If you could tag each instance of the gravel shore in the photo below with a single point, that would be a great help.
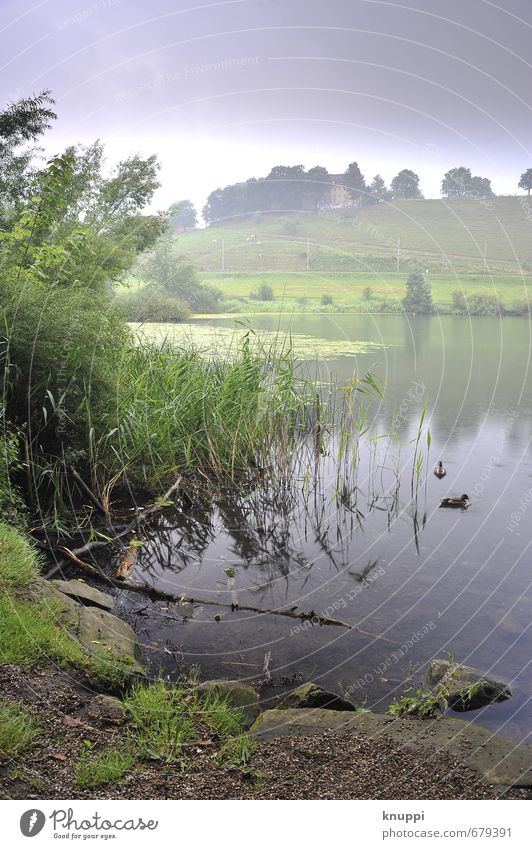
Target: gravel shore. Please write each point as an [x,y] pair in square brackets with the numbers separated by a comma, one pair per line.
[326,766]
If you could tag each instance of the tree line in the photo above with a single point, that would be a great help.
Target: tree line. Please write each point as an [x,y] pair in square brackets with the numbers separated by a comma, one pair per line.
[292,188]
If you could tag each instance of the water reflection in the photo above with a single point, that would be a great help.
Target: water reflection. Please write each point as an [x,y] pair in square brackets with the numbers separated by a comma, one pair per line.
[361,541]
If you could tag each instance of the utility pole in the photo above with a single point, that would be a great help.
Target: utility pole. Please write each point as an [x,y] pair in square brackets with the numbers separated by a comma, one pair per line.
[223,255]
[442,263]
[398,253]
[485,256]
[308,253]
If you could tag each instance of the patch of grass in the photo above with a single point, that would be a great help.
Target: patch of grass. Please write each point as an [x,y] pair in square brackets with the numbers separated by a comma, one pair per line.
[19,562]
[32,780]
[18,729]
[32,631]
[110,764]
[165,718]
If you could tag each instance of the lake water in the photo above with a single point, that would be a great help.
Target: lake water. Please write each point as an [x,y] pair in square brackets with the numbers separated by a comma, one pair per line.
[429,581]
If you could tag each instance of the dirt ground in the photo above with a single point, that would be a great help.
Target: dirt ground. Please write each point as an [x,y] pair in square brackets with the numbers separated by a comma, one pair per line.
[322,767]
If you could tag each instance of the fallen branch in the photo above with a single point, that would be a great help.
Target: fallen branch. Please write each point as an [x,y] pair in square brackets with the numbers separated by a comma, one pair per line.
[155,593]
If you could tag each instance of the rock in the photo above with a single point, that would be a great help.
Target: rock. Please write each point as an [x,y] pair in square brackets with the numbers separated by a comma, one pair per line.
[108,637]
[84,594]
[107,709]
[495,758]
[314,696]
[468,688]
[238,695]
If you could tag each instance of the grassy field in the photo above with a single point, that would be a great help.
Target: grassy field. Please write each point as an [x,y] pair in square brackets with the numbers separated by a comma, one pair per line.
[443,235]
[293,291]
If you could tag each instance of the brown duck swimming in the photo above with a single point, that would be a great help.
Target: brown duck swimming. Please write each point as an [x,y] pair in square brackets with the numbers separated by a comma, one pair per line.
[439,471]
[456,501]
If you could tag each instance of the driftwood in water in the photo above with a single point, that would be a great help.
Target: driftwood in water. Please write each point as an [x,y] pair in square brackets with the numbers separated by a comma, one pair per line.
[155,594]
[128,561]
[140,517]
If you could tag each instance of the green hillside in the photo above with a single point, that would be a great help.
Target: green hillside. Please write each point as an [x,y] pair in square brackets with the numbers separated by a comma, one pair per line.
[446,236]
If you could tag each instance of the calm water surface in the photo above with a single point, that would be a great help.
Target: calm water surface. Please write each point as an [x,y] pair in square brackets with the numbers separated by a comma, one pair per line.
[429,581]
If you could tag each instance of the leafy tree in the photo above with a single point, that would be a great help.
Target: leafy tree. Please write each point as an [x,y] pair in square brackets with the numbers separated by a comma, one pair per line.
[166,269]
[108,210]
[525,180]
[480,187]
[21,124]
[316,182]
[406,185]
[354,181]
[455,182]
[418,294]
[182,215]
[378,188]
[459,182]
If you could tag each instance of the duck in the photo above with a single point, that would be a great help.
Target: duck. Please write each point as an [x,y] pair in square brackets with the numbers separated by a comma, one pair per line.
[456,501]
[440,471]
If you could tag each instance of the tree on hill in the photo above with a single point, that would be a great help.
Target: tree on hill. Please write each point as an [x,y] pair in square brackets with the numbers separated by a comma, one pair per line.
[480,187]
[459,182]
[182,215]
[418,294]
[406,185]
[525,180]
[316,183]
[378,188]
[354,182]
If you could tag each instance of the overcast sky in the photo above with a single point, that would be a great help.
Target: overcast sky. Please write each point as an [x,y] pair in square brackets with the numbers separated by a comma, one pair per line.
[223,91]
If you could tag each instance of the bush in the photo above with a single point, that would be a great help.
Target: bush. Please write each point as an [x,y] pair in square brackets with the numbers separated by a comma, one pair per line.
[521,308]
[263,293]
[459,301]
[477,303]
[151,304]
[326,300]
[482,303]
[367,294]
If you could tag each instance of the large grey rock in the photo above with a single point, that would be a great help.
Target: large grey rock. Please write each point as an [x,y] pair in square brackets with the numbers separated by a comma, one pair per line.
[107,637]
[313,696]
[466,688]
[498,760]
[84,594]
[238,695]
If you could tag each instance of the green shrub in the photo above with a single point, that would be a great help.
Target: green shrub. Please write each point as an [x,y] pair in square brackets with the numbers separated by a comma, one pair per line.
[367,294]
[482,303]
[263,293]
[327,300]
[459,301]
[152,304]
